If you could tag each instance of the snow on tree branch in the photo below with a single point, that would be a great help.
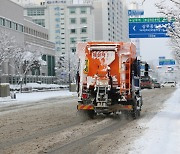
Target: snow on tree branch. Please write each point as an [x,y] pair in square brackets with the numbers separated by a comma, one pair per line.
[62,70]
[26,58]
[7,46]
[171,11]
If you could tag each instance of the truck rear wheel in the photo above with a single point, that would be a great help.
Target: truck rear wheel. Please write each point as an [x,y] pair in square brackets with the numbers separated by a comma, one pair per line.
[135,113]
[91,114]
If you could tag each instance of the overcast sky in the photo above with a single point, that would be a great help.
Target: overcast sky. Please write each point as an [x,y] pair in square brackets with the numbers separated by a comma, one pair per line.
[153,48]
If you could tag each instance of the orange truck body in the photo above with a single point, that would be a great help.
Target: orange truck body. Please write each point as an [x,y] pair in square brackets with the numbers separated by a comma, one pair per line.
[105,75]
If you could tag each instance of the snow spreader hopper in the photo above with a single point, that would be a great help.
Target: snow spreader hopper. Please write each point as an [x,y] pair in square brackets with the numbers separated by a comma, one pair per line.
[108,79]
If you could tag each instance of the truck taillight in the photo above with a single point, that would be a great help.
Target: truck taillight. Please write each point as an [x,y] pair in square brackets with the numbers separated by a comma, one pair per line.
[84,96]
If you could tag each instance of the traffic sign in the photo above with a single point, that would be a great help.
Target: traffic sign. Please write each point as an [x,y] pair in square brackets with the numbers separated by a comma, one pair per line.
[148,30]
[167,62]
[135,12]
[149,27]
[162,57]
[160,19]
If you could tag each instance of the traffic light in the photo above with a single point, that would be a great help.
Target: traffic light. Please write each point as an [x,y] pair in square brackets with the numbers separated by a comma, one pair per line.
[146,69]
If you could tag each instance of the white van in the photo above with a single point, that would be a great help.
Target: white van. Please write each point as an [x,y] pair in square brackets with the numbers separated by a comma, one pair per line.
[169,84]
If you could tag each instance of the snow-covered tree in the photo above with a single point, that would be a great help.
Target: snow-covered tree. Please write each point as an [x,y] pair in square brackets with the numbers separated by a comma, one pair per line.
[61,69]
[25,59]
[64,63]
[7,46]
[171,11]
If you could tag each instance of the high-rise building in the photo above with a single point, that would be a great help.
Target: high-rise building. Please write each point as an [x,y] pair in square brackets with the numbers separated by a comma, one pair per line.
[111,20]
[135,41]
[67,23]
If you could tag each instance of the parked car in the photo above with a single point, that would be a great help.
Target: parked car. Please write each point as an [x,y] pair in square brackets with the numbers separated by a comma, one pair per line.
[157,85]
[169,84]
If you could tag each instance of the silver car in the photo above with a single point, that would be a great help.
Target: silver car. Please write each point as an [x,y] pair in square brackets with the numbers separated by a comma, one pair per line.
[169,84]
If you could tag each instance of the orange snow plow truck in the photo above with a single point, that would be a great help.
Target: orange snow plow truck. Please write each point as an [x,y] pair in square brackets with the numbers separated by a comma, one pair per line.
[108,79]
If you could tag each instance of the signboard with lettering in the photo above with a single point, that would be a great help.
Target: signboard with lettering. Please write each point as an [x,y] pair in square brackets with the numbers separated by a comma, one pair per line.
[166,62]
[55,1]
[135,12]
[162,57]
[160,19]
[148,27]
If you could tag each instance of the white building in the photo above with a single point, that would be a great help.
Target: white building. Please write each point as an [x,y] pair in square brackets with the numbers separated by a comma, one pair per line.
[111,20]
[67,23]
[80,25]
[25,31]
[25,2]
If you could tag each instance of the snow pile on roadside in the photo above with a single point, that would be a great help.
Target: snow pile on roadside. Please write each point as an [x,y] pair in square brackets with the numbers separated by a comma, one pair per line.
[38,86]
[36,96]
[163,134]
[5,99]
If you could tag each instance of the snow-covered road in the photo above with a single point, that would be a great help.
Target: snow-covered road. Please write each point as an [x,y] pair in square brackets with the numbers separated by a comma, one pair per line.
[163,131]
[53,125]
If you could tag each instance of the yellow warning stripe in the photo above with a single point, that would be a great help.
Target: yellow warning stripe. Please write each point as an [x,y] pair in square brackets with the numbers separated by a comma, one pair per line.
[129,107]
[85,107]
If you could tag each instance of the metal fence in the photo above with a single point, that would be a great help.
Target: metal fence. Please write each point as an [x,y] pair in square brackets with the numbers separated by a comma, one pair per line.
[15,79]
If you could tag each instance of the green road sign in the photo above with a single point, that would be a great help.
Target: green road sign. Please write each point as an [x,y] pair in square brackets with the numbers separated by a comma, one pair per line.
[160,19]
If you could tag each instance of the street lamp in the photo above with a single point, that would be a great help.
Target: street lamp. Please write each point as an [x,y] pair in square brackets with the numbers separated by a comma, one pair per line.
[69,56]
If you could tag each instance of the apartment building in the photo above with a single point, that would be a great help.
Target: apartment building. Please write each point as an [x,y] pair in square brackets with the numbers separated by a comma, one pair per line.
[67,23]
[111,20]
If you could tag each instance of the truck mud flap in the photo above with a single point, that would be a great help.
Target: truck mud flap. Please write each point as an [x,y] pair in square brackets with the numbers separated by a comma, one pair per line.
[85,107]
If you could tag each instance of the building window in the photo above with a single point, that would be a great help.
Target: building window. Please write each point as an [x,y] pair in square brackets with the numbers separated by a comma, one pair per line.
[73,49]
[83,30]
[25,29]
[72,10]
[8,23]
[35,12]
[44,58]
[83,20]
[84,39]
[32,32]
[73,40]
[39,22]
[73,31]
[83,10]
[13,26]
[73,21]
[29,31]
[2,22]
